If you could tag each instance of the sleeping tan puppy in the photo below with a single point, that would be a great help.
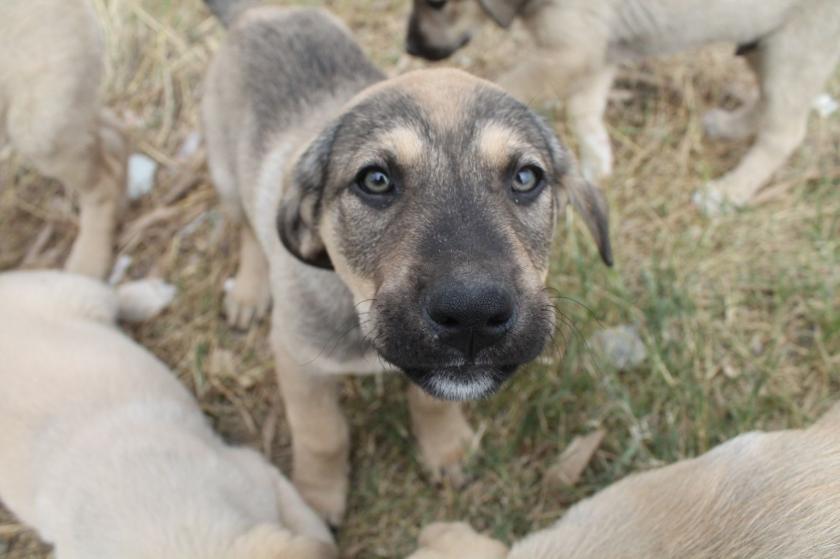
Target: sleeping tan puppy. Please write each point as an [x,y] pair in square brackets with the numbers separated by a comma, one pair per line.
[51,68]
[759,496]
[792,45]
[106,455]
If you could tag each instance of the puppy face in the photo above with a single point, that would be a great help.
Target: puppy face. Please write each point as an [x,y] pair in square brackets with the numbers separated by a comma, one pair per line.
[434,197]
[437,28]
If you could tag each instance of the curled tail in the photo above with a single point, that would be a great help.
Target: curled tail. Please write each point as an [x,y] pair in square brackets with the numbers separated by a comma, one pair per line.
[228,10]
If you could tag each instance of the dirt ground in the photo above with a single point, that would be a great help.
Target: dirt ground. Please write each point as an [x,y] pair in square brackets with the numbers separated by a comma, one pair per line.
[740,316]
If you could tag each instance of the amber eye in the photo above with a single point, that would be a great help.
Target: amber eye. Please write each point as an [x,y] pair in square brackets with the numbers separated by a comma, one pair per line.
[527,179]
[436,4]
[374,180]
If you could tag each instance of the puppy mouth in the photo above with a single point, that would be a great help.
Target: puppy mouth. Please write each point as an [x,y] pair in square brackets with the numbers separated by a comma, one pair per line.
[461,382]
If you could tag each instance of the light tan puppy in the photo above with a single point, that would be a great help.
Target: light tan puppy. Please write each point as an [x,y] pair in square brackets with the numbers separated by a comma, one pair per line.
[759,496]
[51,65]
[400,223]
[106,455]
[791,45]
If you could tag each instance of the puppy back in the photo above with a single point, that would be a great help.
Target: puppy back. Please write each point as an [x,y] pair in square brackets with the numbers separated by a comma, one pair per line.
[290,61]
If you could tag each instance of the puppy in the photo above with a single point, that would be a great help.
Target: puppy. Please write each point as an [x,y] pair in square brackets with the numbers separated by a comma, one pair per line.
[396,224]
[105,454]
[760,495]
[790,44]
[50,73]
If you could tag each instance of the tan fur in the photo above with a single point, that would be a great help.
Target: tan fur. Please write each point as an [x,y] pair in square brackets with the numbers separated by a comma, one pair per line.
[496,142]
[758,496]
[50,75]
[105,453]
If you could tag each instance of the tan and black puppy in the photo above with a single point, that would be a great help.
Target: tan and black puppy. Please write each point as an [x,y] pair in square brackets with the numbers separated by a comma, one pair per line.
[791,45]
[52,60]
[396,224]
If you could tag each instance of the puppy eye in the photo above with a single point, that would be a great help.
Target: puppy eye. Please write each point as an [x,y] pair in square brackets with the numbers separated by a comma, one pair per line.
[374,180]
[436,4]
[527,179]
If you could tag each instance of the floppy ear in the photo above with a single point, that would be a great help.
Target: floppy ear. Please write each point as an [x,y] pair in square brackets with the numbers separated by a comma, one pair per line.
[300,208]
[502,11]
[586,198]
[590,203]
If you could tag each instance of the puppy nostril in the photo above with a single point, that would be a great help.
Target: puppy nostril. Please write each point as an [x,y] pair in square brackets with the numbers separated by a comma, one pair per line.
[499,319]
[448,321]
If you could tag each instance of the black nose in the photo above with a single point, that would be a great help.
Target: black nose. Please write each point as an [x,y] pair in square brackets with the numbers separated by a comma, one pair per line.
[470,316]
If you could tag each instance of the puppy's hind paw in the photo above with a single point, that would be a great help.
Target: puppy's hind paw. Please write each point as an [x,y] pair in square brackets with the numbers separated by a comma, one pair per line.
[712,201]
[144,299]
[245,304]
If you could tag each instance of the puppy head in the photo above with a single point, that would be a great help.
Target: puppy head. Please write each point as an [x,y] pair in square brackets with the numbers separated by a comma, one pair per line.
[437,28]
[434,197]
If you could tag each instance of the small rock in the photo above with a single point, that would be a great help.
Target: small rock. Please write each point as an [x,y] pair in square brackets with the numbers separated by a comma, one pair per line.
[621,346]
[141,175]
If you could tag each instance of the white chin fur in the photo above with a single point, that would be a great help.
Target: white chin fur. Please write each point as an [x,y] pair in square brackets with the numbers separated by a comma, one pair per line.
[468,389]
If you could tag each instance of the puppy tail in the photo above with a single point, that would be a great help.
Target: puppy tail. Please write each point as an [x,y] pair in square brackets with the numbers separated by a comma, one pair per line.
[229,10]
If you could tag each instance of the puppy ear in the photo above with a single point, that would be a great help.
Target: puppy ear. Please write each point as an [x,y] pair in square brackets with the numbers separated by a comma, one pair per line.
[502,11]
[586,198]
[300,208]
[590,203]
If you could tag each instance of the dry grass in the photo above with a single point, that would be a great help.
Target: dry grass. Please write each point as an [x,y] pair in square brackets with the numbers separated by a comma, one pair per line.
[741,316]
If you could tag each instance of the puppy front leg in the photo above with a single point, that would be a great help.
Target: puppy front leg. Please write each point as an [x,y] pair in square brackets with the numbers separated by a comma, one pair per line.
[249,298]
[443,434]
[320,435]
[586,116]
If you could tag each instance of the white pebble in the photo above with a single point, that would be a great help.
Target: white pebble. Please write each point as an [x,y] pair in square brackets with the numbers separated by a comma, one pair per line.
[141,175]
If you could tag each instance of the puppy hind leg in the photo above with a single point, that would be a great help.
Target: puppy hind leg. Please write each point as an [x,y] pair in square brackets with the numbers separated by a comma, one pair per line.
[66,142]
[320,435]
[443,434]
[101,201]
[586,114]
[795,63]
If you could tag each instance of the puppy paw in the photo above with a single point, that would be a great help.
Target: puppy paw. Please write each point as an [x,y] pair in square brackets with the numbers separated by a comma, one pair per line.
[713,201]
[457,540]
[445,452]
[596,162]
[144,299]
[245,302]
[328,496]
